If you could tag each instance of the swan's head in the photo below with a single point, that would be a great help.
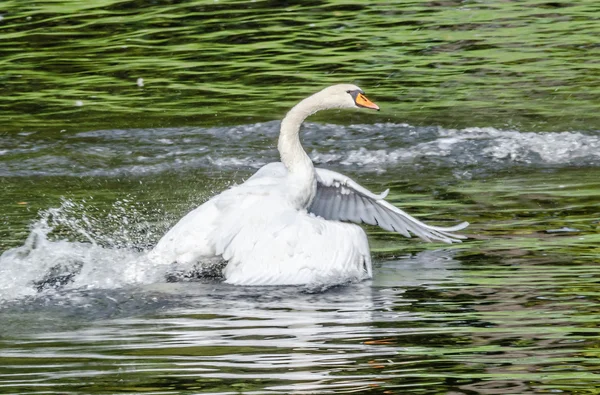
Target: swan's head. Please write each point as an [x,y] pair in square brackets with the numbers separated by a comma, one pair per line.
[346,96]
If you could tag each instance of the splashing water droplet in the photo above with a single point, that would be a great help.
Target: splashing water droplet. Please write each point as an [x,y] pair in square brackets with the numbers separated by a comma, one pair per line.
[78,246]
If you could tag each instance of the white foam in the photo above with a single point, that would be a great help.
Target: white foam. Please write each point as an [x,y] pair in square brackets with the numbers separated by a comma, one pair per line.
[378,147]
[552,148]
[85,259]
[474,146]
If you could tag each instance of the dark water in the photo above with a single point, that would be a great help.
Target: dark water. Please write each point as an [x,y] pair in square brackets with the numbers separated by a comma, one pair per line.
[488,115]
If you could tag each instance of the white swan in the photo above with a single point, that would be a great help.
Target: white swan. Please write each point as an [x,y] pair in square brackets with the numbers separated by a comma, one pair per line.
[283,225]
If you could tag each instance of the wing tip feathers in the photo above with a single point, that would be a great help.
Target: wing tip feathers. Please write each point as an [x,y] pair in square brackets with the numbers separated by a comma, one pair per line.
[384,194]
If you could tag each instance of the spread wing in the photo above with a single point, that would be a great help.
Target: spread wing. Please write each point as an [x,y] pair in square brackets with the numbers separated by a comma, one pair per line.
[340,198]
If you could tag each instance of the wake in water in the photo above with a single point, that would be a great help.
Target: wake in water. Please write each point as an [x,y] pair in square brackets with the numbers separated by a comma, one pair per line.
[68,248]
[365,148]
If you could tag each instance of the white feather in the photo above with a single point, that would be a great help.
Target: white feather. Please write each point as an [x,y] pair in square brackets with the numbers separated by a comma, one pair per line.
[265,240]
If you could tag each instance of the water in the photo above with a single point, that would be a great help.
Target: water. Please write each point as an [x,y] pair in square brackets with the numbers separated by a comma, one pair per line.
[488,115]
[513,310]
[371,148]
[469,63]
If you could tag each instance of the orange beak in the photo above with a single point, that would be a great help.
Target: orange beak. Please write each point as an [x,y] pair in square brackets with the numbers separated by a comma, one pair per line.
[362,101]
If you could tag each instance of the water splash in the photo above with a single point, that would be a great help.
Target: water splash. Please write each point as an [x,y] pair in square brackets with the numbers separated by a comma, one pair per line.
[71,247]
[78,247]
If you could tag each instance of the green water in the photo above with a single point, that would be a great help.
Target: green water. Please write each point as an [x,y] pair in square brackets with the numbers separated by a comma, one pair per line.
[513,310]
[529,63]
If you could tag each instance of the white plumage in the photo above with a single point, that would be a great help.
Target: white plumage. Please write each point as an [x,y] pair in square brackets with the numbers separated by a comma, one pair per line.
[284,224]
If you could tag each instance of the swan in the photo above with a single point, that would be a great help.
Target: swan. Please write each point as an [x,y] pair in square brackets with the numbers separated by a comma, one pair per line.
[288,223]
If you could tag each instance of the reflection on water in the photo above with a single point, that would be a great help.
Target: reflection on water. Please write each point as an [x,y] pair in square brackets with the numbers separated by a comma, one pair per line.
[426,324]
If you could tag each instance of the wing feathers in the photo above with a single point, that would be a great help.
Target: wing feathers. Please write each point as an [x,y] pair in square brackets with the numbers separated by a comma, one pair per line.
[351,205]
[340,198]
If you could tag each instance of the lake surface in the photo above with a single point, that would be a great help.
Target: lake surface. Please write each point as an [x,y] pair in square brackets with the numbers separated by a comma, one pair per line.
[489,115]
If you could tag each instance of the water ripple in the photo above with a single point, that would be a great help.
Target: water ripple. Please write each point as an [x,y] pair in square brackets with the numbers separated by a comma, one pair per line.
[358,148]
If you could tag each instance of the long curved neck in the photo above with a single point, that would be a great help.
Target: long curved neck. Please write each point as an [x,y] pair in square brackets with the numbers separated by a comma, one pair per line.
[293,156]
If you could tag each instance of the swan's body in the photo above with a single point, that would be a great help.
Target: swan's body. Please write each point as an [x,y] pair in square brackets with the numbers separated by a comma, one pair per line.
[283,225]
